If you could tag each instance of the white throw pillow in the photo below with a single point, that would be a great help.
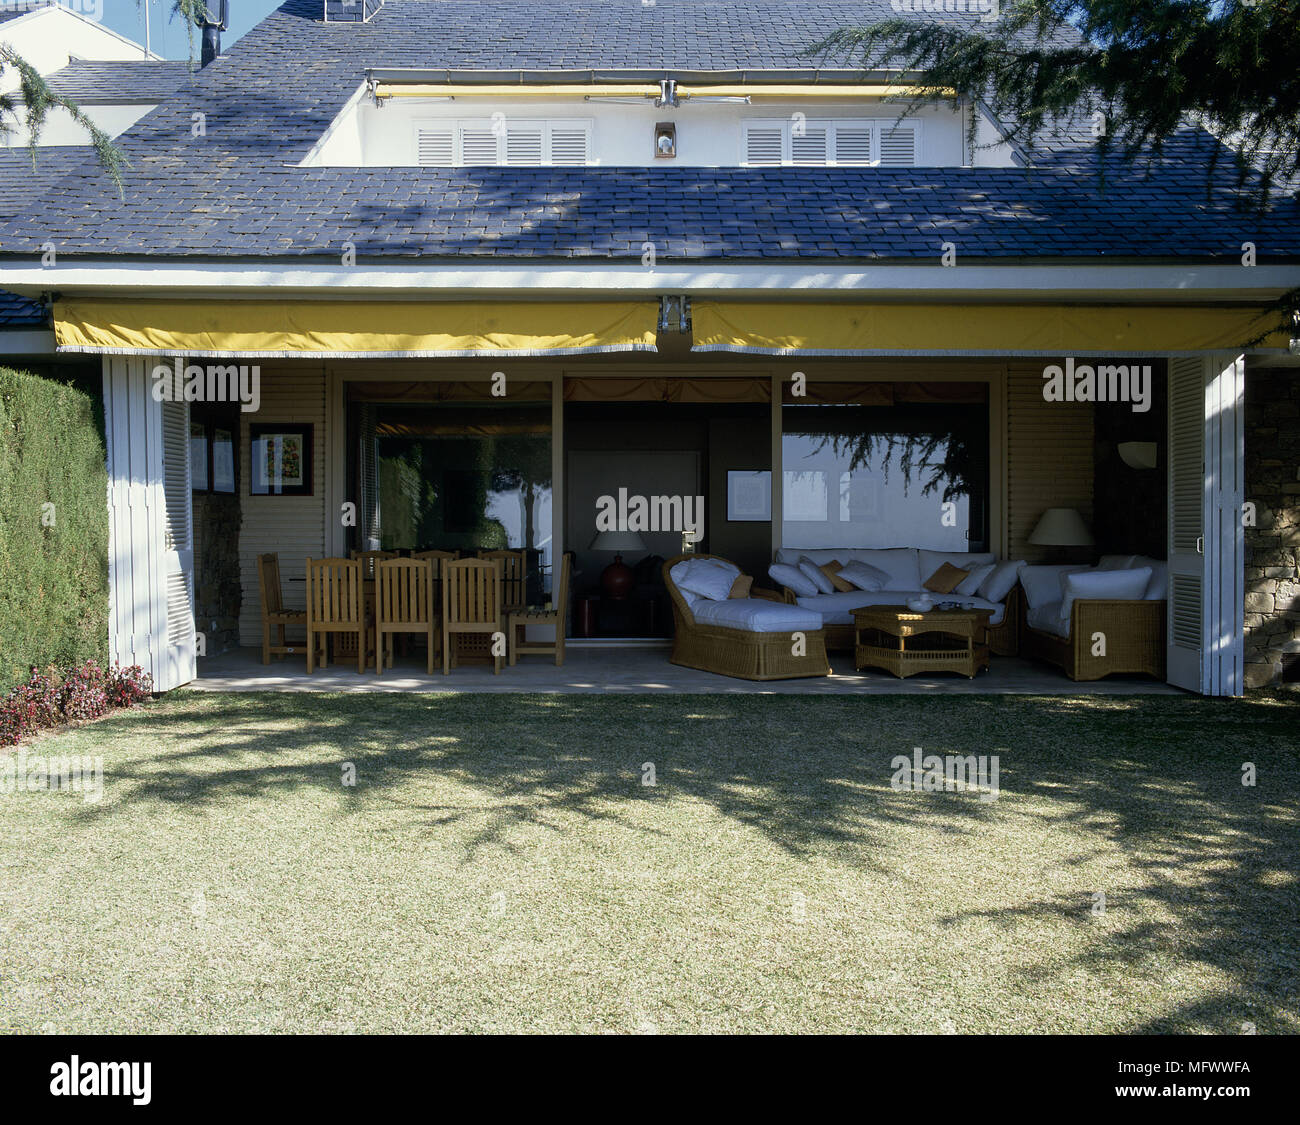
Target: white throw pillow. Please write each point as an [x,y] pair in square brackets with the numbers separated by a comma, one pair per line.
[710,578]
[813,573]
[1000,581]
[1118,562]
[864,576]
[791,577]
[1104,585]
[969,586]
[1043,584]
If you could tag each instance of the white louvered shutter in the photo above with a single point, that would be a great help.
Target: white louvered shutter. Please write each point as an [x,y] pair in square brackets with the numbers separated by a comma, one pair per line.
[524,145]
[178,545]
[853,144]
[810,148]
[569,145]
[898,146]
[435,146]
[764,144]
[479,145]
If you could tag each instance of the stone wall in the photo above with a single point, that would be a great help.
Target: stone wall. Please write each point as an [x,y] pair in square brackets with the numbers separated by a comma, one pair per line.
[1272,484]
[216,570]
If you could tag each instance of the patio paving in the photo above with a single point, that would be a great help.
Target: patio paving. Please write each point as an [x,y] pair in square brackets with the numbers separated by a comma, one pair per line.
[631,670]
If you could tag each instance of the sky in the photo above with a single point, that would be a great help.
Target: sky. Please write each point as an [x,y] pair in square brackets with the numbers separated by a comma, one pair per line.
[167,32]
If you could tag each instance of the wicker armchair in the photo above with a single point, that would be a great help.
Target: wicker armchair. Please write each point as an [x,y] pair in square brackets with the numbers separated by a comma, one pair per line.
[1003,638]
[1134,634]
[738,652]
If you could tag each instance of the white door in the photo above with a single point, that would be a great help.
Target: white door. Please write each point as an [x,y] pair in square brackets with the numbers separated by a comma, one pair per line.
[150,551]
[1206,537]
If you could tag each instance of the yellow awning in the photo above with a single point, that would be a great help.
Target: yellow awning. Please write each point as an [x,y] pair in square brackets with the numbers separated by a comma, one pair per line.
[342,329]
[790,328]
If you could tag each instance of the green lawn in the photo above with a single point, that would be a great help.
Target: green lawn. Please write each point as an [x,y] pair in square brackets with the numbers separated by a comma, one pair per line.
[499,866]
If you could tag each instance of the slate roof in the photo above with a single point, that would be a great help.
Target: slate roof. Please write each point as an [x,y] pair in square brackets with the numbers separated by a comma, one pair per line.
[237,192]
[118,82]
[22,186]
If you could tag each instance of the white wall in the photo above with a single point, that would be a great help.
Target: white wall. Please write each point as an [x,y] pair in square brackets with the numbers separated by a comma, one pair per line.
[49,38]
[708,134]
[60,129]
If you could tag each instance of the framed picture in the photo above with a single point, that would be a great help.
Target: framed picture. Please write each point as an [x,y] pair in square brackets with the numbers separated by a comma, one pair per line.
[749,496]
[279,460]
[223,460]
[198,457]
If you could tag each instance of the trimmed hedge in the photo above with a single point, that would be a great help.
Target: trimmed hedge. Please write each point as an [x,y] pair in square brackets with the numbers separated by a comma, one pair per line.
[53,560]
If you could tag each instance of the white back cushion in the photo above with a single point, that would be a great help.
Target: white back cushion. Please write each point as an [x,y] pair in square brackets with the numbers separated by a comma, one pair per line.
[1158,588]
[1042,584]
[1122,585]
[900,563]
[792,577]
[969,586]
[710,578]
[930,561]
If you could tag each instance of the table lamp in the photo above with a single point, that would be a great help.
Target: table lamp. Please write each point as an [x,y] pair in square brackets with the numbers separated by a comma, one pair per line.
[616,580]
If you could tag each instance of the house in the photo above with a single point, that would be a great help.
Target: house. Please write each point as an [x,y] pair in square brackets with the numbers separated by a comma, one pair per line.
[113,80]
[449,274]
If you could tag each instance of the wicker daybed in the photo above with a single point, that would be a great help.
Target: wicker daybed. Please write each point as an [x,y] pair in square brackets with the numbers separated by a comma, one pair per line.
[738,652]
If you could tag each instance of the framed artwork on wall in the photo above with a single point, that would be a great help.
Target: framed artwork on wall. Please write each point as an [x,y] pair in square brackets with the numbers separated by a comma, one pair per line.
[749,496]
[280,460]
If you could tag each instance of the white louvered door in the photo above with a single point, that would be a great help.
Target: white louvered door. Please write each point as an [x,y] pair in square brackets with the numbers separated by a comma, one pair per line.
[179,659]
[150,547]
[1206,537]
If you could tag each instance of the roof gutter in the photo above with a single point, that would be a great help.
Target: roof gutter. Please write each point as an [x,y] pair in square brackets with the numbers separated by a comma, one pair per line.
[810,76]
[1165,283]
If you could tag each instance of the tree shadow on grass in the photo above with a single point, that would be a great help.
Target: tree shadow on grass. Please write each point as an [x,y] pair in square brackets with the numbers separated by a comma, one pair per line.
[1156,780]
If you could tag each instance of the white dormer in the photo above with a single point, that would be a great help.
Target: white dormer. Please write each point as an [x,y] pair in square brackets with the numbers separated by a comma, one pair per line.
[629,125]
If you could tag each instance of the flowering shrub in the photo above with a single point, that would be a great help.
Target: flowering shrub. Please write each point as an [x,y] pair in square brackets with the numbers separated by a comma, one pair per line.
[85,692]
[85,695]
[128,686]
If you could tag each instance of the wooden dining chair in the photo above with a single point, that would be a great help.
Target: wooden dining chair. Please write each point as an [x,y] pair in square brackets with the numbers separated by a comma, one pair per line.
[336,604]
[520,619]
[438,558]
[274,614]
[471,605]
[404,604]
[514,575]
[368,560]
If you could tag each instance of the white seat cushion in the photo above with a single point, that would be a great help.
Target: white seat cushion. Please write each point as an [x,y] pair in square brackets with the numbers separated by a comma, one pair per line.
[758,615]
[837,609]
[1047,619]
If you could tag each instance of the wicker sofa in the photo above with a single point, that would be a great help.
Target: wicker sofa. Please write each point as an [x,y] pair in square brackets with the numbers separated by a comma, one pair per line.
[743,653]
[1003,638]
[1104,636]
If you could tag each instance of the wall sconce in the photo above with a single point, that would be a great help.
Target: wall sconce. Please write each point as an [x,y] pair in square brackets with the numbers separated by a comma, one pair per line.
[1138,454]
[665,140]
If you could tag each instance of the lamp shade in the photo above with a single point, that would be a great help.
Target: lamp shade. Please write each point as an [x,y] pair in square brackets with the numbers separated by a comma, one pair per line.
[1138,454]
[618,541]
[1061,527]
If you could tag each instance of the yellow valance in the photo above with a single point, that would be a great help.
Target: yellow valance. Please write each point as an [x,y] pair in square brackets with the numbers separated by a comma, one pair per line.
[792,328]
[277,329]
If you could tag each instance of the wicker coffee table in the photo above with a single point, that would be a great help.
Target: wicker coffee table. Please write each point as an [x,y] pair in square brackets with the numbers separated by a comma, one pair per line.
[904,642]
